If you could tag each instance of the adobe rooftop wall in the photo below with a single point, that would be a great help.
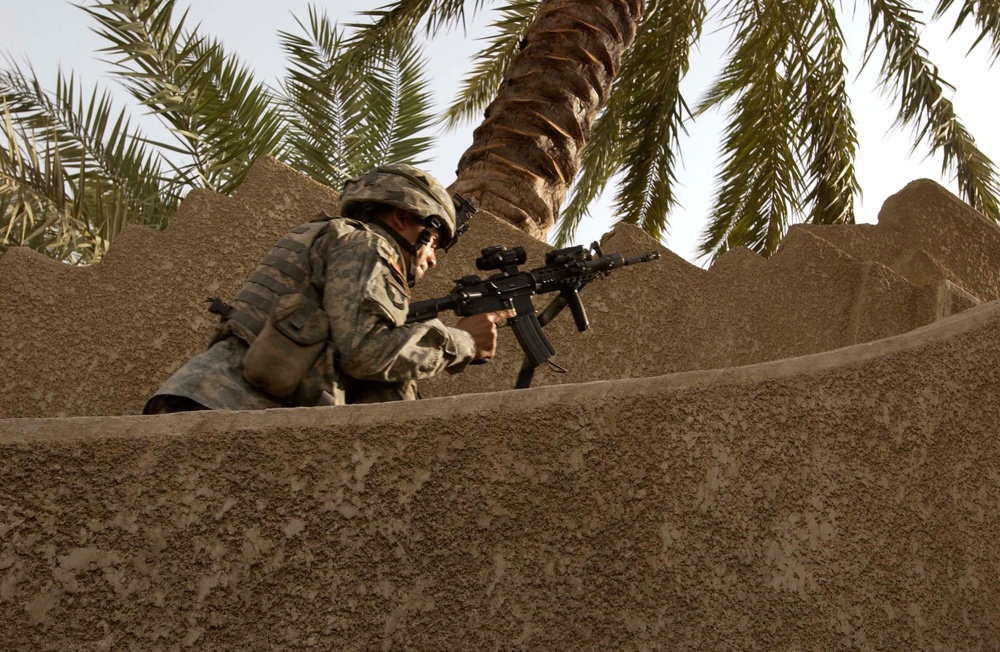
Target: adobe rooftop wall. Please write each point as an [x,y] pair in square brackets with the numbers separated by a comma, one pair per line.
[99,340]
[753,468]
[840,500]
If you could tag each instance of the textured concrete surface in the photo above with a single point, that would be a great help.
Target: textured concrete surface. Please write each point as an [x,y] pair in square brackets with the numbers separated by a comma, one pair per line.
[98,341]
[845,500]
[799,453]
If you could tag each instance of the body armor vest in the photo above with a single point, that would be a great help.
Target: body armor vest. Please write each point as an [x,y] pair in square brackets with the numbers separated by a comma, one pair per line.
[278,313]
[285,270]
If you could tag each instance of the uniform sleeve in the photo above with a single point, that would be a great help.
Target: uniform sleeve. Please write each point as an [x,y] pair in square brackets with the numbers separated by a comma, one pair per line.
[367,303]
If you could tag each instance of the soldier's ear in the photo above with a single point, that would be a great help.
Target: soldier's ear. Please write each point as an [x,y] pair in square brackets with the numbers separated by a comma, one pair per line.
[408,220]
[396,218]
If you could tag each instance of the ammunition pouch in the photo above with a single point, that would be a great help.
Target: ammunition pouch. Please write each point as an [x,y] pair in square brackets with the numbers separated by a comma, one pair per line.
[288,345]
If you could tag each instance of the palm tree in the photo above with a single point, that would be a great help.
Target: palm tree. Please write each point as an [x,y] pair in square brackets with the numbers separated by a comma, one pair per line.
[588,85]
[74,172]
[790,142]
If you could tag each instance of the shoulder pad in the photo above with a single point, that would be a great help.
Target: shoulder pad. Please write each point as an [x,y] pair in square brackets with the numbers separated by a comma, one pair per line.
[323,216]
[342,226]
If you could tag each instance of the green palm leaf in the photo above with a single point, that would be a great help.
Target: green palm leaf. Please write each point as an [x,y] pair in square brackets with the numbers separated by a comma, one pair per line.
[400,108]
[491,63]
[761,182]
[72,171]
[221,117]
[829,139]
[320,101]
[915,84]
[637,136]
[986,15]
[396,23]
[347,115]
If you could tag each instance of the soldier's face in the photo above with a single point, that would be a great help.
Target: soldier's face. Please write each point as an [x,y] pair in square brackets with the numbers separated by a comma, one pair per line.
[426,259]
[411,229]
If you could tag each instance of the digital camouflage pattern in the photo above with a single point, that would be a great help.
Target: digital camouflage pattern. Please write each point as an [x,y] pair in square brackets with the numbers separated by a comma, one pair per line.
[407,188]
[371,355]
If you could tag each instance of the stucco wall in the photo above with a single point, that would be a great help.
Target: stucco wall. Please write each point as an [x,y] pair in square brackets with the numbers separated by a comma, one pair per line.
[98,341]
[840,491]
[845,500]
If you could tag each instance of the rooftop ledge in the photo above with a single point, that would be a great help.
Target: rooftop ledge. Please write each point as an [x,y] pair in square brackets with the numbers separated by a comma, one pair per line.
[841,498]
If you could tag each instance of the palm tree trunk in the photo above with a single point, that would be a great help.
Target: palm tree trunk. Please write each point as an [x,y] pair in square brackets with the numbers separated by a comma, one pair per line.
[526,153]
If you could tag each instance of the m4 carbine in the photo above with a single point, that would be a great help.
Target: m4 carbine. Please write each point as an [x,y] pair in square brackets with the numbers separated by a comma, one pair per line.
[566,272]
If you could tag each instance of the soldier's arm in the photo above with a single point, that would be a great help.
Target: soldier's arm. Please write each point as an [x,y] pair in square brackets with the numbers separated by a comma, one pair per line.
[367,303]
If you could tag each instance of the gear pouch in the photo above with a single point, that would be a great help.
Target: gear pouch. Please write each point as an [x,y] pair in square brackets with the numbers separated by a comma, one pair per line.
[287,346]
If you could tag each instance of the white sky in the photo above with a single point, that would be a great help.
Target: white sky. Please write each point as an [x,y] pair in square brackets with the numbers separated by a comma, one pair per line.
[53,33]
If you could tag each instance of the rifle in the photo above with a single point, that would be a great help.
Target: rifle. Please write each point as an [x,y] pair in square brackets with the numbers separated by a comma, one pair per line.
[566,271]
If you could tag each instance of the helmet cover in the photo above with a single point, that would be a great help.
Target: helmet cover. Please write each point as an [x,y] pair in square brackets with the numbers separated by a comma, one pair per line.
[410,189]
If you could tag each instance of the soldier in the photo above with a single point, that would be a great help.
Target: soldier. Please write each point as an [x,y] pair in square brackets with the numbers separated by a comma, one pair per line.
[321,321]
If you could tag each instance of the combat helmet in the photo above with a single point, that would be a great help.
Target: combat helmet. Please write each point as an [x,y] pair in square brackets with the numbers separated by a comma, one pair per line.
[413,190]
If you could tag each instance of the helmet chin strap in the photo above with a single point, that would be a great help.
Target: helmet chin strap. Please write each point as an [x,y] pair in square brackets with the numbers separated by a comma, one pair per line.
[411,248]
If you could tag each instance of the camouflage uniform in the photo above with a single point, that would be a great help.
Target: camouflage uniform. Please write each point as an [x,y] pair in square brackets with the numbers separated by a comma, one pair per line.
[368,354]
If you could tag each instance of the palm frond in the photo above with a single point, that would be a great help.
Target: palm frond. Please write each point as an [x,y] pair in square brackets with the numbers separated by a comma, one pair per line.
[914,83]
[761,180]
[601,159]
[829,136]
[985,13]
[396,23]
[645,196]
[320,96]
[222,118]
[237,119]
[38,206]
[72,173]
[88,133]
[400,108]
[347,116]
[491,63]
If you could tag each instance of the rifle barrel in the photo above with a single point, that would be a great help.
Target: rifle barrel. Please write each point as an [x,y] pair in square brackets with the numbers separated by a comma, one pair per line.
[642,258]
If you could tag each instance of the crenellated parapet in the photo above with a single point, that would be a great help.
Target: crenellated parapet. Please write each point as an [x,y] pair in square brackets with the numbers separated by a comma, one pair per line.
[794,453]
[99,340]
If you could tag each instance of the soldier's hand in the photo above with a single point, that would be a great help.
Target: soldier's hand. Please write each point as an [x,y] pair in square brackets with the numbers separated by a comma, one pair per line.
[483,328]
